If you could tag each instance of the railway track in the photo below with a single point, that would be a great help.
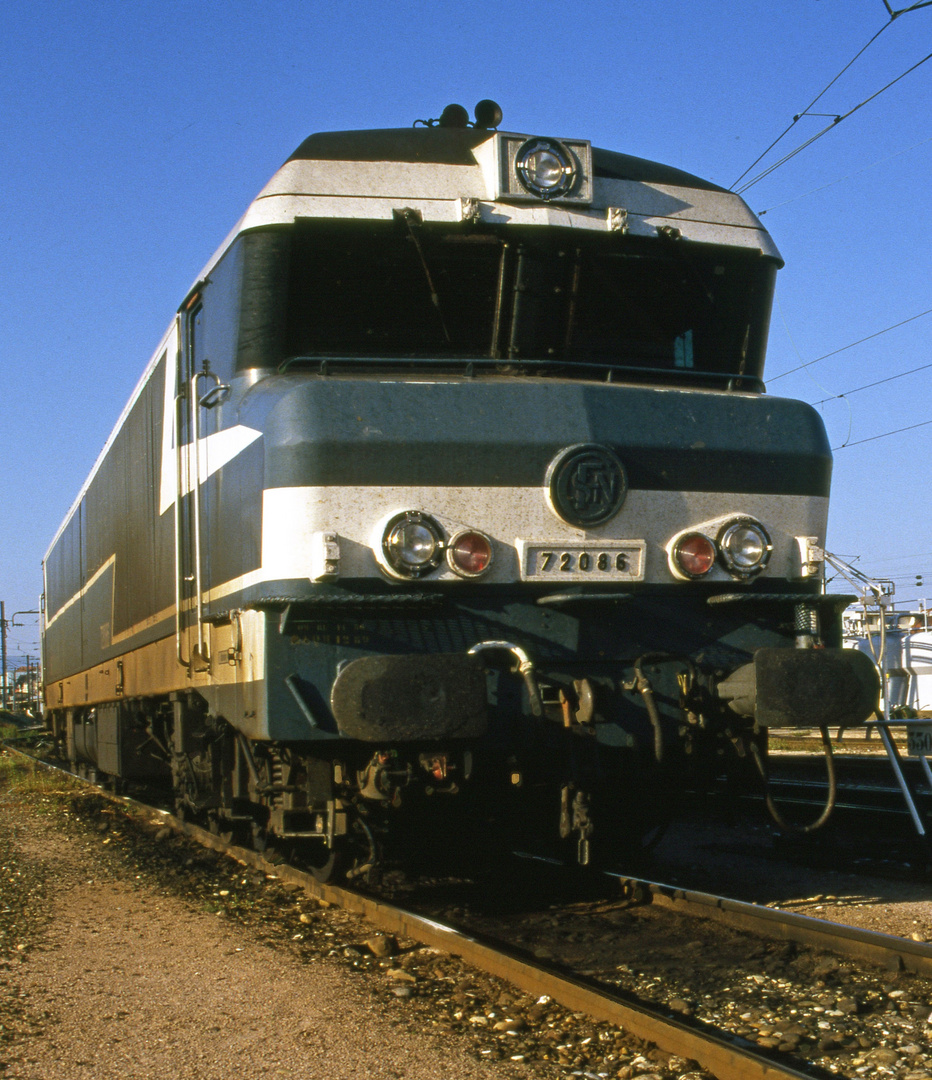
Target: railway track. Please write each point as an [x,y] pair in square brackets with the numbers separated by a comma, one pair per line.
[865,782]
[882,950]
[871,827]
[722,1053]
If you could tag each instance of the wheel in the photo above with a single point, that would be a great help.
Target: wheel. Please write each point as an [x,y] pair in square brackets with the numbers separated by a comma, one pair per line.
[353,857]
[332,867]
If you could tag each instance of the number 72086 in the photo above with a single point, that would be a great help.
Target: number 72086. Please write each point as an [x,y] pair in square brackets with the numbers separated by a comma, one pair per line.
[604,561]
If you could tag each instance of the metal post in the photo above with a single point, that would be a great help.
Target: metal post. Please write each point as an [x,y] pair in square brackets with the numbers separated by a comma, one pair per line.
[927,771]
[909,796]
[3,654]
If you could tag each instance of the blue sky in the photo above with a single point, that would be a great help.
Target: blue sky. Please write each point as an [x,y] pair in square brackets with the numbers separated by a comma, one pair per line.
[134,135]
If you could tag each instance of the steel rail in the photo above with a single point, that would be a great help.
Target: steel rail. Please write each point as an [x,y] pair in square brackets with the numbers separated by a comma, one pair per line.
[871,946]
[782,792]
[727,1057]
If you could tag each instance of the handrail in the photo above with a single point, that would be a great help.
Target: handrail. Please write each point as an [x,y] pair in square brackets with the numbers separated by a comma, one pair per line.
[216,395]
[571,368]
[179,485]
[203,648]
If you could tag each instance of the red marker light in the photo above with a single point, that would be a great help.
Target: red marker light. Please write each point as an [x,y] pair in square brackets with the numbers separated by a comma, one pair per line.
[470,553]
[694,554]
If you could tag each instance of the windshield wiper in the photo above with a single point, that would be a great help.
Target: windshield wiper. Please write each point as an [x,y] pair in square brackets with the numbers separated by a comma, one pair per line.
[411,218]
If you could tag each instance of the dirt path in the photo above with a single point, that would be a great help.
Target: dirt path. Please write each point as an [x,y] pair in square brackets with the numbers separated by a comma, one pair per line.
[128,982]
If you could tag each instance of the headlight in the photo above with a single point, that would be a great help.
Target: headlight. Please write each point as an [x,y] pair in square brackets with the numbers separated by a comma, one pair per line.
[545,168]
[412,544]
[745,546]
[694,555]
[469,553]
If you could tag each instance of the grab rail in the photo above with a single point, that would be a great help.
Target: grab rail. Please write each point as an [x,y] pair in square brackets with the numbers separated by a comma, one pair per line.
[179,485]
[203,648]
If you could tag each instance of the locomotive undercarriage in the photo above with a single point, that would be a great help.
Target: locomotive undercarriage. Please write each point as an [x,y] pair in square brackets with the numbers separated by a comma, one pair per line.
[569,774]
[575,747]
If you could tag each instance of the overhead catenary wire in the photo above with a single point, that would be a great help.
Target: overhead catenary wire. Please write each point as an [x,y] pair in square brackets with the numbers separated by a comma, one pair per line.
[912,7]
[907,429]
[868,386]
[860,341]
[820,94]
[835,122]
[847,176]
[894,15]
[883,435]
[900,558]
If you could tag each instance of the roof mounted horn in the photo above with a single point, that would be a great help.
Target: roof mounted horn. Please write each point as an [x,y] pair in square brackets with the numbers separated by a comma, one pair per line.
[488,115]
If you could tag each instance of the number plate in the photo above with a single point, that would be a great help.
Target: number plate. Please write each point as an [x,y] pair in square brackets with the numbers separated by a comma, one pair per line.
[593,561]
[919,740]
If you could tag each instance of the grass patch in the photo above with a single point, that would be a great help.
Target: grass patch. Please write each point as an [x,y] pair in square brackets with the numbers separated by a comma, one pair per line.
[20,776]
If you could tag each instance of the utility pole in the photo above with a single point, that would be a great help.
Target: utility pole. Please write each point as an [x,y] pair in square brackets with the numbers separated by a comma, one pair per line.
[13,622]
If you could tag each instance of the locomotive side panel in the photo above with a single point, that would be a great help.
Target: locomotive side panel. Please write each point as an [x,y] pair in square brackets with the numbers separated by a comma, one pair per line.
[109,572]
[63,573]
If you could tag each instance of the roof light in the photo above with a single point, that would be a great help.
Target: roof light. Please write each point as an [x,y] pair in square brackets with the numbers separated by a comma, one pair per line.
[545,168]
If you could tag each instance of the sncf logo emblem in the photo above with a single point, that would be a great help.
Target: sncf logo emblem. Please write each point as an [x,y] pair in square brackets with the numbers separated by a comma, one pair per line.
[586,484]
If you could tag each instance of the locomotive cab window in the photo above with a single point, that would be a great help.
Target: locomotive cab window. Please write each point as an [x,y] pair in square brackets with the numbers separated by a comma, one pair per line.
[532,298]
[390,290]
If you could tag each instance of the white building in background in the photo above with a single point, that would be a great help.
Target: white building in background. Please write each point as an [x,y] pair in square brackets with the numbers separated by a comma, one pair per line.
[902,647]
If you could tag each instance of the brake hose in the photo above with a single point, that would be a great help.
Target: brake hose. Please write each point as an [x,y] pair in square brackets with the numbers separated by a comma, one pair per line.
[644,688]
[782,823]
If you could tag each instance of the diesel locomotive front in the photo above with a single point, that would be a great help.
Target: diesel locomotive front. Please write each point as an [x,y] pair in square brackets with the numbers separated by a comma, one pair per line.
[452,502]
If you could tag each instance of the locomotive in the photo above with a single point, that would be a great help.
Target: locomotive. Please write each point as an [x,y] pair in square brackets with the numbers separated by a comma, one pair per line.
[452,503]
